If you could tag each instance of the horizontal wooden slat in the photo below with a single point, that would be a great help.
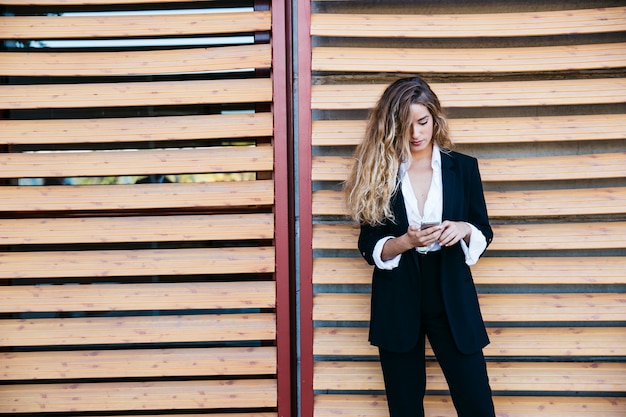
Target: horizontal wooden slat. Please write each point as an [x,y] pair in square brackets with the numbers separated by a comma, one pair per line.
[157,93]
[136,129]
[561,236]
[331,167]
[158,395]
[509,376]
[575,201]
[495,307]
[491,130]
[337,132]
[481,94]
[137,329]
[345,405]
[538,129]
[598,235]
[513,341]
[593,201]
[541,168]
[127,26]
[171,61]
[551,270]
[335,236]
[469,60]
[541,23]
[136,229]
[494,270]
[137,162]
[137,196]
[144,262]
[138,363]
[161,296]
[601,165]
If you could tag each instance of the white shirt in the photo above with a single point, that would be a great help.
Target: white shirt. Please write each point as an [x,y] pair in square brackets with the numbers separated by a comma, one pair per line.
[433,212]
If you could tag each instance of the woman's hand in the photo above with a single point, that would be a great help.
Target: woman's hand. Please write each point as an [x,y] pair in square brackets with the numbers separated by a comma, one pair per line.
[421,238]
[447,233]
[413,238]
[452,232]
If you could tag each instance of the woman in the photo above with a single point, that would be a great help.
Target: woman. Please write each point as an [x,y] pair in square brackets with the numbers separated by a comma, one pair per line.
[404,177]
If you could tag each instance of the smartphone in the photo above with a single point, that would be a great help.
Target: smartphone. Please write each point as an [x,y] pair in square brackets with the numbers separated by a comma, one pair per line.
[426,225]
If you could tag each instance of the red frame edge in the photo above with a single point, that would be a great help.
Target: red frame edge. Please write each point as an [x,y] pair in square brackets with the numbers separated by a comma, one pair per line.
[304,127]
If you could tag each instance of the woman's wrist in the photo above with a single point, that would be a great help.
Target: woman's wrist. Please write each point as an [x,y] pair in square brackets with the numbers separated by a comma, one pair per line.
[468,234]
[395,246]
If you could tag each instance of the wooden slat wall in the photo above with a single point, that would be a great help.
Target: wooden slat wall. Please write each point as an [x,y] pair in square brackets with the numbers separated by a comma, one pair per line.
[536,91]
[130,298]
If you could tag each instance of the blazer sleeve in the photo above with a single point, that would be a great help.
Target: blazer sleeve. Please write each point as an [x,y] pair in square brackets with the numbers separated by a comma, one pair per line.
[370,235]
[368,238]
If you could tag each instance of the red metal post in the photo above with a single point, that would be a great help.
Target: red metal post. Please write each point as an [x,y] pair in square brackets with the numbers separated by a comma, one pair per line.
[284,242]
[305,199]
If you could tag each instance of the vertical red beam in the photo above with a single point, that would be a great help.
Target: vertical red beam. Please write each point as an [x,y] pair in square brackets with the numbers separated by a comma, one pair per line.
[304,127]
[282,198]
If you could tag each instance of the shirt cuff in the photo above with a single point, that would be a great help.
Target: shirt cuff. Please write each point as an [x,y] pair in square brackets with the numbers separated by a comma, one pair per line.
[477,245]
[377,255]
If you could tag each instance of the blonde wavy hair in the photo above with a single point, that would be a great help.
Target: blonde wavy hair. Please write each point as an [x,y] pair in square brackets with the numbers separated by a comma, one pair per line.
[373,180]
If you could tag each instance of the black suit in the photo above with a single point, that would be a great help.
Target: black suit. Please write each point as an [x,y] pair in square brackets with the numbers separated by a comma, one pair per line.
[397,307]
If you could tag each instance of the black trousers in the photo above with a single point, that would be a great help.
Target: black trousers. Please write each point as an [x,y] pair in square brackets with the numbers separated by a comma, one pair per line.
[405,372]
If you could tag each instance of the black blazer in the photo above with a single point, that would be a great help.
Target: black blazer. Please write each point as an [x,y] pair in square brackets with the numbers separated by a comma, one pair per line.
[395,309]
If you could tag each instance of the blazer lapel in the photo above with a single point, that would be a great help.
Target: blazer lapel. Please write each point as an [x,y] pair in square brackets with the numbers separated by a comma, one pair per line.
[449,174]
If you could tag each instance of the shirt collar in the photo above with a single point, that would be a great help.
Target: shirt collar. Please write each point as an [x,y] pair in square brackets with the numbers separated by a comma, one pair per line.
[435,162]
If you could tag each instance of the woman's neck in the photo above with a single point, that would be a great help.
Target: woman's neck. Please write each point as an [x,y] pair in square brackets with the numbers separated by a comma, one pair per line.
[422,157]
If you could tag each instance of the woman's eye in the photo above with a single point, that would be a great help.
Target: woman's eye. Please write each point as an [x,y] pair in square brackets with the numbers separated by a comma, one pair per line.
[422,122]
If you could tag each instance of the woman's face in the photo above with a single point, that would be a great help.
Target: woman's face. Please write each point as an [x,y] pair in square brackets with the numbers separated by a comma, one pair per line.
[421,129]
